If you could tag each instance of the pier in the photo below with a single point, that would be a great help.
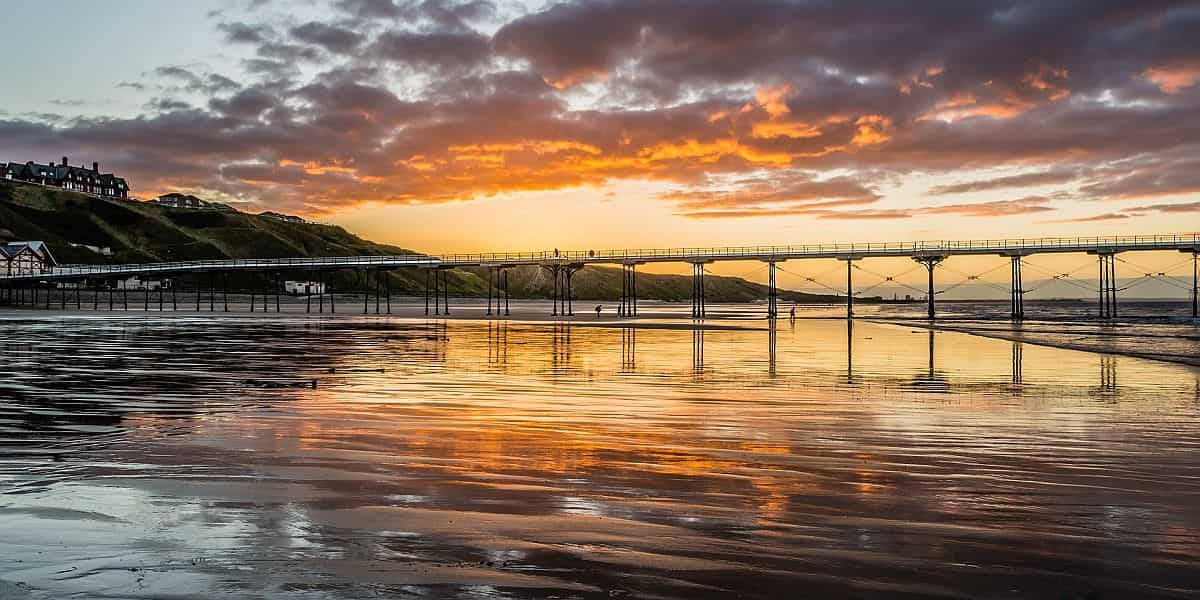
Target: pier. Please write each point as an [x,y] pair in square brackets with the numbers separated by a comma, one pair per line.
[562,265]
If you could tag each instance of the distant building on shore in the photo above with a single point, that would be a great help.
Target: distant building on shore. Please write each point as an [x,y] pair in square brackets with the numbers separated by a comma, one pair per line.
[303,288]
[137,283]
[176,200]
[76,179]
[281,216]
[26,258]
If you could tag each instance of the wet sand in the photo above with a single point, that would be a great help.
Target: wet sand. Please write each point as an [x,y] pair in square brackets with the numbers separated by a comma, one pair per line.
[188,456]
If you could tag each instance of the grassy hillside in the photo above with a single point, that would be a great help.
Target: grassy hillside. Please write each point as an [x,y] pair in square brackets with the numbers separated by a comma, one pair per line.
[141,232]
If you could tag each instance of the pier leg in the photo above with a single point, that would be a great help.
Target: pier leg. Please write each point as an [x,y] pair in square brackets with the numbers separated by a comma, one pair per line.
[554,274]
[1195,285]
[277,286]
[160,296]
[146,297]
[321,292]
[1018,294]
[570,293]
[437,300]
[633,287]
[772,292]
[625,290]
[930,262]
[364,282]
[491,285]
[378,284]
[225,291]
[252,297]
[1113,286]
[849,288]
[212,292]
[125,297]
[110,297]
[507,295]
[387,291]
[175,300]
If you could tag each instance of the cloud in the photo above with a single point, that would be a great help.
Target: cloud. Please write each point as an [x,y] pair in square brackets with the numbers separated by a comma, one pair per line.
[330,37]
[998,208]
[758,108]
[1011,181]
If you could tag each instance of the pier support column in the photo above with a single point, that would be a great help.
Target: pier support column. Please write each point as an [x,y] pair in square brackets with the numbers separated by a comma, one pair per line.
[364,282]
[849,284]
[772,292]
[698,304]
[1108,285]
[1195,282]
[321,291]
[446,290]
[1017,297]
[491,288]
[930,263]
[629,297]
[507,295]
[387,291]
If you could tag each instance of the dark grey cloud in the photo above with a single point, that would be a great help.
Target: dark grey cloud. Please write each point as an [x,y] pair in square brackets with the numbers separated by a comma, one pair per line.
[441,50]
[330,37]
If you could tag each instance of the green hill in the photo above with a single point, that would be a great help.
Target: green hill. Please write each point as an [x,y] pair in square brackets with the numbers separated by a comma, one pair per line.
[140,232]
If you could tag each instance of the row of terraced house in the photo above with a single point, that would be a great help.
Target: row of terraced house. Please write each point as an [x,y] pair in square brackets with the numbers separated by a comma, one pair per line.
[67,177]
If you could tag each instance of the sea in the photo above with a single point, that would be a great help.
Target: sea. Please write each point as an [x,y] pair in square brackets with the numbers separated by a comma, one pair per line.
[182,455]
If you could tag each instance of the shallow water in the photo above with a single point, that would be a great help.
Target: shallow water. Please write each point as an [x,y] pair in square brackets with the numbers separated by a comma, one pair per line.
[194,456]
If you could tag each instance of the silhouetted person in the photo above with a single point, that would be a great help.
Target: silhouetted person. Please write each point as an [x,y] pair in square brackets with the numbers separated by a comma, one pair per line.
[793,312]
[599,307]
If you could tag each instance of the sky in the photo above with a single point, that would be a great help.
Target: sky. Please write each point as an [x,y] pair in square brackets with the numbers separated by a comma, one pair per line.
[454,126]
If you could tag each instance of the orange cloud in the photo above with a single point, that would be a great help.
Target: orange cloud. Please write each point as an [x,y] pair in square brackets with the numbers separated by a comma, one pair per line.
[1172,80]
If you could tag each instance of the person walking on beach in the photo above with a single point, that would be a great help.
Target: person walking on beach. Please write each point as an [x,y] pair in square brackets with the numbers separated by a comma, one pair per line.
[793,313]
[599,307]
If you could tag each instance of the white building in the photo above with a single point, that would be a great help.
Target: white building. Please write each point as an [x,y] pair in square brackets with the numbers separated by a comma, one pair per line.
[135,283]
[303,288]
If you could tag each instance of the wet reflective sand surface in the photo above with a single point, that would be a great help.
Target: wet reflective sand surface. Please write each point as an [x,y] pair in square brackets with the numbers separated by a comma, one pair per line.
[191,456]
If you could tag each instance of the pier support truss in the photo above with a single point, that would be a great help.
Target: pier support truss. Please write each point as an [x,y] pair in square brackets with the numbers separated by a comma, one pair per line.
[930,263]
[628,307]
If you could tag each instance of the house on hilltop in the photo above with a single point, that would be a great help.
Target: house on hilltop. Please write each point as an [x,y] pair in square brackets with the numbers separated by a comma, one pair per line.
[177,200]
[25,258]
[281,216]
[67,177]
